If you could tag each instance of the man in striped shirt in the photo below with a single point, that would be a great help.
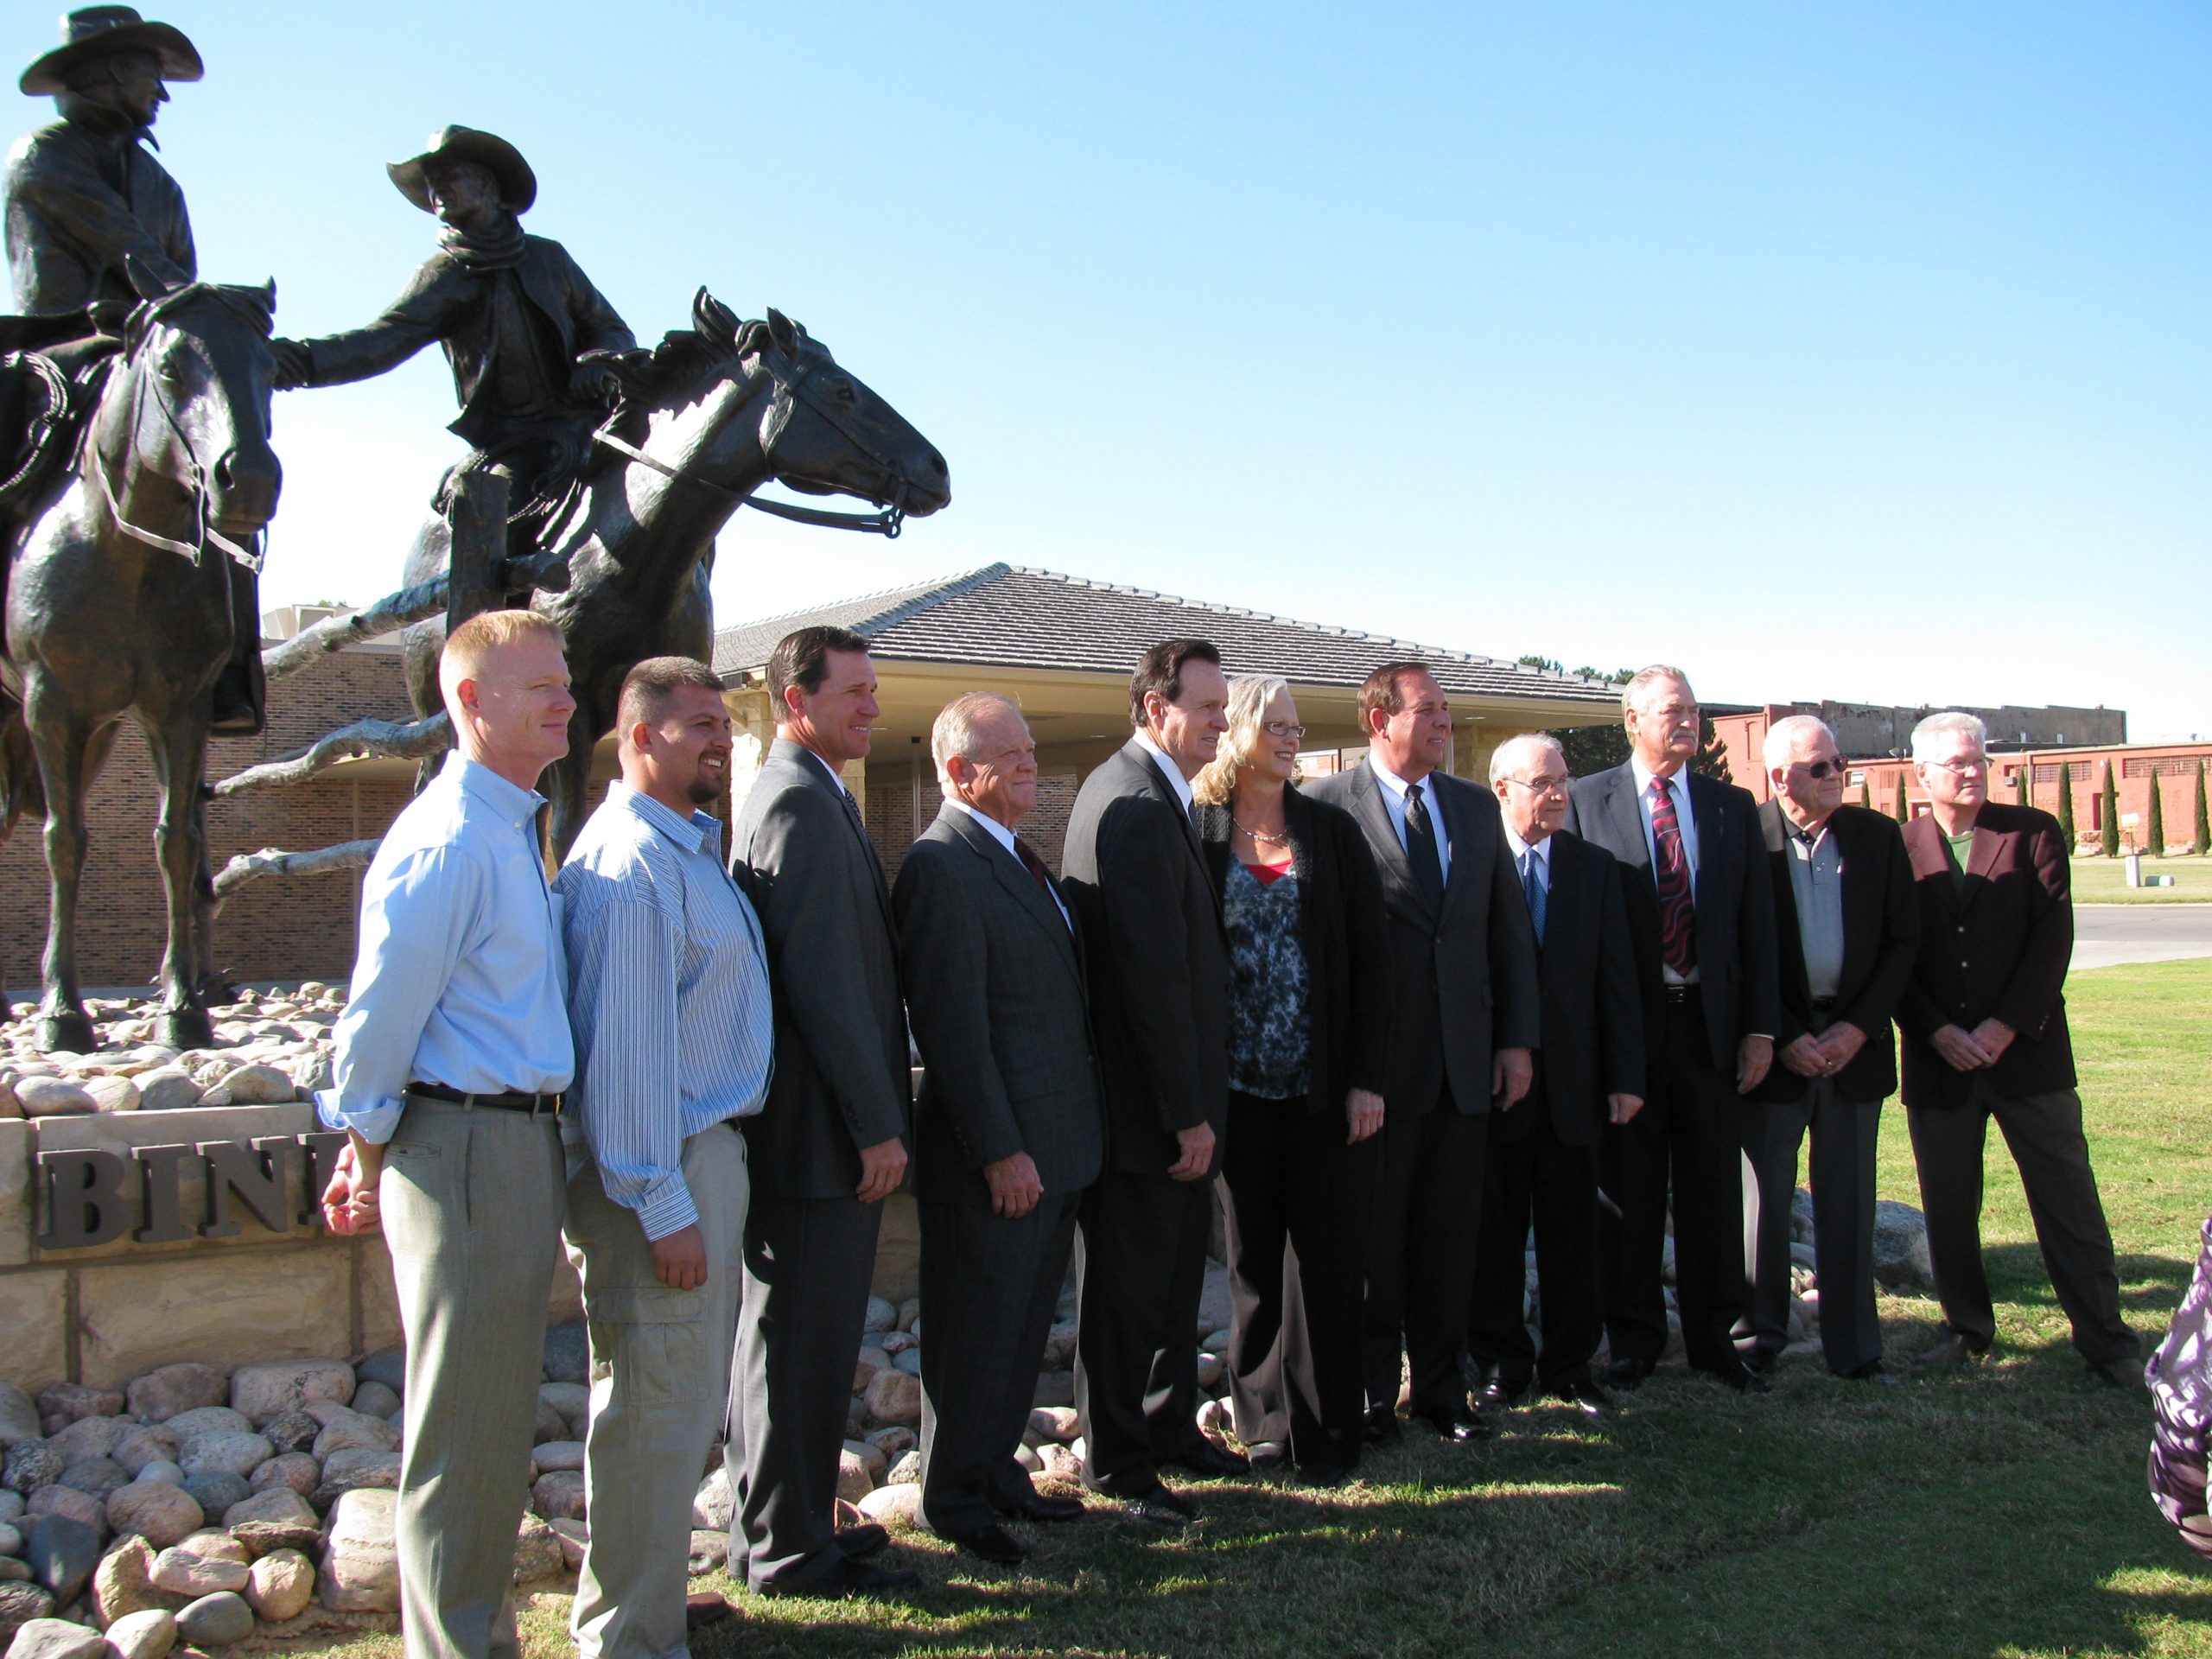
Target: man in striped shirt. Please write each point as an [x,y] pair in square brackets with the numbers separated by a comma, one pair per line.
[670,1003]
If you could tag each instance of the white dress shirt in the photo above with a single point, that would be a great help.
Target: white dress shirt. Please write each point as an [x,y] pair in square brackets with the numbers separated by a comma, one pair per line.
[1394,803]
[1004,836]
[668,997]
[1542,850]
[459,979]
[1161,759]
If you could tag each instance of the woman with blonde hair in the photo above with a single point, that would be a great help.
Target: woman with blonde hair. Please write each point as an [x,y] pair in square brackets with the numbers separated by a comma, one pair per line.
[1308,1014]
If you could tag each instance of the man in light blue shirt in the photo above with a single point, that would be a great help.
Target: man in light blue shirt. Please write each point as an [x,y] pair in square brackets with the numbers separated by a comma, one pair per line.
[453,1057]
[668,997]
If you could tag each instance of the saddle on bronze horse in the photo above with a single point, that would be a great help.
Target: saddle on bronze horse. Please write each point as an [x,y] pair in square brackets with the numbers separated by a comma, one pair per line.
[51,372]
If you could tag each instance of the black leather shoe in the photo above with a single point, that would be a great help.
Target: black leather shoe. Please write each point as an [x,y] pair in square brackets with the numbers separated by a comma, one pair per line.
[1210,1462]
[1039,1506]
[1584,1396]
[862,1541]
[1739,1377]
[1320,1474]
[1455,1423]
[1158,1508]
[2123,1373]
[1761,1361]
[848,1577]
[1382,1426]
[1267,1458]
[1501,1394]
[993,1543]
[1627,1373]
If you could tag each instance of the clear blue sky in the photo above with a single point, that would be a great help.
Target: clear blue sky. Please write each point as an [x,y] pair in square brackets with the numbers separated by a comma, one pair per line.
[1859,352]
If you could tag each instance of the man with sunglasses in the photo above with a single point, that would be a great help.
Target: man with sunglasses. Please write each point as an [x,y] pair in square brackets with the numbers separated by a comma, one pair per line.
[1984,1036]
[1848,928]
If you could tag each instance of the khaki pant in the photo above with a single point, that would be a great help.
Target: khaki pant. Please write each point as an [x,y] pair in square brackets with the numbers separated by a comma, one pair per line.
[660,1362]
[472,1210]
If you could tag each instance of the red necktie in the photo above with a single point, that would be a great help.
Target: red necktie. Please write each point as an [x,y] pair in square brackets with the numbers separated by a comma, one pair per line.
[1677,917]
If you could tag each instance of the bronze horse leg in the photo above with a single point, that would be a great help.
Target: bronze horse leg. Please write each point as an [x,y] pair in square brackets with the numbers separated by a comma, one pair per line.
[179,747]
[63,738]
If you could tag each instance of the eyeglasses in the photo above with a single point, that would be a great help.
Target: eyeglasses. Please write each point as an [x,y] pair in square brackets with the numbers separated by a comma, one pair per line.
[1817,770]
[1283,729]
[1549,785]
[1960,768]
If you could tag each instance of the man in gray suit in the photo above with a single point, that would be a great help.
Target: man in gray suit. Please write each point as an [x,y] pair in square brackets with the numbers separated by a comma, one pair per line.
[830,1145]
[1465,1009]
[1009,1134]
[1159,965]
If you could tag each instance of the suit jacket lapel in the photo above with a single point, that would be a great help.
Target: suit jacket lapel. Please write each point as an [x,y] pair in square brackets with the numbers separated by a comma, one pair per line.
[1931,861]
[1373,815]
[816,770]
[1705,809]
[1006,870]
[1981,859]
[1156,780]
[1625,815]
[1458,836]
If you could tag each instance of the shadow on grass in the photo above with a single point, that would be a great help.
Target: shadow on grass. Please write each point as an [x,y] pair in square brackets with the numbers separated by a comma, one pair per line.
[2148,1284]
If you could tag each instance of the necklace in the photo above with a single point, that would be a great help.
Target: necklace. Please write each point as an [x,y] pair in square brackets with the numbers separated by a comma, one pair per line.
[1262,834]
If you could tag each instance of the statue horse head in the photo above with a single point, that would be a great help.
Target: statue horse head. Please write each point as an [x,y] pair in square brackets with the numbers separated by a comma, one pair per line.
[184,427]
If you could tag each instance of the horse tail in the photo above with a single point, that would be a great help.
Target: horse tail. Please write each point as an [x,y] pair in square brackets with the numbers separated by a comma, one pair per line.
[22,792]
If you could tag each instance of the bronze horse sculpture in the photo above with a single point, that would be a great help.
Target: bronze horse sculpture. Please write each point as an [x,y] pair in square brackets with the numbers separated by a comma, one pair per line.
[719,411]
[118,603]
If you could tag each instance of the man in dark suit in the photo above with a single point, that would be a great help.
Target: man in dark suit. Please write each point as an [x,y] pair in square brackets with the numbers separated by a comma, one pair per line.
[1009,1134]
[1700,911]
[1846,929]
[830,1144]
[1542,1168]
[1984,1036]
[1464,1016]
[1159,967]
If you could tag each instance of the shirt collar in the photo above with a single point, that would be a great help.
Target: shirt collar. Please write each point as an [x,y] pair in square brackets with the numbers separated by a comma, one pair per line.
[1173,774]
[999,832]
[691,834]
[1389,779]
[1541,849]
[1677,785]
[510,801]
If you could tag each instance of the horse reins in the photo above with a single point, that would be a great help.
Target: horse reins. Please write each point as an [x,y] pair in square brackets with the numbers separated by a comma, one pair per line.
[886,523]
[97,464]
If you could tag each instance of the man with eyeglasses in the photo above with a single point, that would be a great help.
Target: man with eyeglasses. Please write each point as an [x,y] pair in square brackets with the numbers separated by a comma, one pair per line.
[1542,1169]
[1986,1036]
[1847,927]
[1701,919]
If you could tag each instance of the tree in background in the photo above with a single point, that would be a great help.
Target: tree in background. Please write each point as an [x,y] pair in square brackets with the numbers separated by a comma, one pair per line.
[1711,757]
[1865,793]
[2108,813]
[2154,825]
[1904,812]
[2200,841]
[1589,749]
[2066,806]
[2020,792]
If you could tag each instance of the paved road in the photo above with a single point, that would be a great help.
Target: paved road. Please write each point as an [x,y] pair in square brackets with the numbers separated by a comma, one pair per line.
[2106,934]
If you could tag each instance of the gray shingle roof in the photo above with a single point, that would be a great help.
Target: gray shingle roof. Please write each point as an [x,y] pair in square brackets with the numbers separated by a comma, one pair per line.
[1011,615]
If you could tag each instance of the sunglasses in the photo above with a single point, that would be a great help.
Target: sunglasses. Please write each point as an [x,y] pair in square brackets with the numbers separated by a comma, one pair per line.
[1817,770]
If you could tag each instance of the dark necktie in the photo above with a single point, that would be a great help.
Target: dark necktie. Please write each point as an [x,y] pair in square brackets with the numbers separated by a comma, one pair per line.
[1677,917]
[1035,866]
[1531,883]
[1420,849]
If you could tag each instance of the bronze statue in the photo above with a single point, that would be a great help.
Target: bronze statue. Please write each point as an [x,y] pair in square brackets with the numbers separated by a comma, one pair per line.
[533,346]
[716,412]
[119,601]
[94,223]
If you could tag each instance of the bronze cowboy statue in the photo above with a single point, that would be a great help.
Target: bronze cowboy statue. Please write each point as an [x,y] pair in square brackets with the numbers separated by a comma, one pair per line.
[533,346]
[94,225]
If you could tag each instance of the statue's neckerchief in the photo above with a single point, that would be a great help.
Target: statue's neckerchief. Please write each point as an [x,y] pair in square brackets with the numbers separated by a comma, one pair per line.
[485,251]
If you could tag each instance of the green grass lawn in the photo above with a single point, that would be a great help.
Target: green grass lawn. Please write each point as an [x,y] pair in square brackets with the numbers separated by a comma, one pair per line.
[2002,1512]
[2104,881]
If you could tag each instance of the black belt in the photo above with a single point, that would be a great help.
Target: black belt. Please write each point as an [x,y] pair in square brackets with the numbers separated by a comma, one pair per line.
[1680,993]
[1825,1004]
[510,1101]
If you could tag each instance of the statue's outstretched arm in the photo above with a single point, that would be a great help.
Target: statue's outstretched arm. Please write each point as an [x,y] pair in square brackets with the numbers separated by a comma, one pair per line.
[416,319]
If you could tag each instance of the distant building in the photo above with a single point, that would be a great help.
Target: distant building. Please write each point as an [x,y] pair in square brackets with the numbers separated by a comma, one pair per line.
[1876,730]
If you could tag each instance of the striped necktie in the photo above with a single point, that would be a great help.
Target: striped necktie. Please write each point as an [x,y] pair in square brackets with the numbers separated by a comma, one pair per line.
[1677,917]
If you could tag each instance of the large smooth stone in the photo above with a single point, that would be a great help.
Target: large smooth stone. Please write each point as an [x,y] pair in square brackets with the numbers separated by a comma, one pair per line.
[113,1094]
[346,1430]
[78,1401]
[892,1505]
[568,1354]
[19,1415]
[144,1443]
[182,1572]
[387,1366]
[293,1432]
[558,1455]
[95,1476]
[711,1505]
[537,1551]
[146,1635]
[280,1585]
[32,1465]
[216,1621]
[123,1582]
[225,1454]
[188,1425]
[360,1563]
[160,1514]
[163,1394]
[265,1392]
[295,1470]
[895,1397]
[167,1088]
[559,1496]
[89,1437]
[69,1503]
[375,1400]
[22,1603]
[348,1472]
[710,1553]
[53,1098]
[61,1554]
[55,1638]
[216,1491]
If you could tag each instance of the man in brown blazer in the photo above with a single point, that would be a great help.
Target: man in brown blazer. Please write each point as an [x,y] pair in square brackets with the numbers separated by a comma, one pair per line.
[1984,1036]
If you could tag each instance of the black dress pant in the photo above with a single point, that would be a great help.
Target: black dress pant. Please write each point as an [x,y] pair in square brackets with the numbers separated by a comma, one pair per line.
[1685,1135]
[1420,1271]
[1533,1177]
[2044,1132]
[1296,1200]
[1141,1267]
[989,1286]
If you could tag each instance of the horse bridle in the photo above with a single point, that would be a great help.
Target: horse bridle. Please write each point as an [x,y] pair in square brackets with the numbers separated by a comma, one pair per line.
[96,465]
[886,523]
